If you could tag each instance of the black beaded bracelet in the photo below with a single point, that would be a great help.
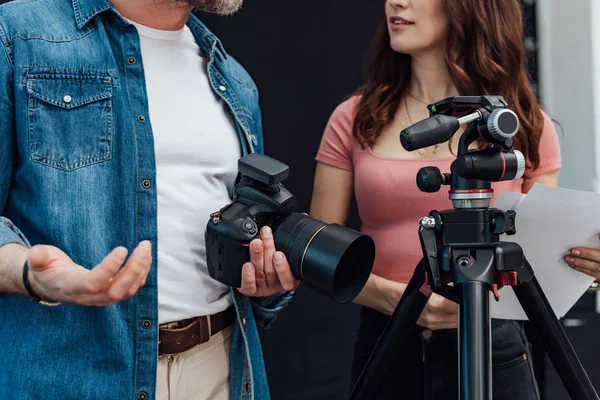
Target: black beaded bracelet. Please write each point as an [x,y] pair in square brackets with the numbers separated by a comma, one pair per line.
[32,293]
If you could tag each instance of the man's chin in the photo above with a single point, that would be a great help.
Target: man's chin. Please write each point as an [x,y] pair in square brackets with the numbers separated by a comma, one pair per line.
[220,7]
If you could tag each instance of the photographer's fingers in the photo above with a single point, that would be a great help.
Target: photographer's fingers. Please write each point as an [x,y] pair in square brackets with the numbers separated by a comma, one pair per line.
[257,258]
[266,235]
[286,278]
[248,287]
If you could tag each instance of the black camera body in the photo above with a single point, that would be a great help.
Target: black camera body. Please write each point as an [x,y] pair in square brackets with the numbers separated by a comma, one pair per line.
[330,258]
[259,200]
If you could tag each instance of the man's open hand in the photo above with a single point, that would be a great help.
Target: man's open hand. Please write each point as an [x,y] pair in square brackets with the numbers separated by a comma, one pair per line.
[55,277]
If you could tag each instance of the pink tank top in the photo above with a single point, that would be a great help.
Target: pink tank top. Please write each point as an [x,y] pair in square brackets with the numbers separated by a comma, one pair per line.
[389,202]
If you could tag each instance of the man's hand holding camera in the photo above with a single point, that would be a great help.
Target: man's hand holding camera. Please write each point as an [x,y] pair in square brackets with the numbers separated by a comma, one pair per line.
[268,271]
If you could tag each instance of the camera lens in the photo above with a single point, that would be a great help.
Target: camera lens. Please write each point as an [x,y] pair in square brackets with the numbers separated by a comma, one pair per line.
[331,259]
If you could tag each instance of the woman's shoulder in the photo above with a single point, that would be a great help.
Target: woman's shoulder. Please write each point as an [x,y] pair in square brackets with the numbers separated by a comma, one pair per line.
[346,110]
[338,143]
[341,120]
[548,124]
[548,149]
[549,134]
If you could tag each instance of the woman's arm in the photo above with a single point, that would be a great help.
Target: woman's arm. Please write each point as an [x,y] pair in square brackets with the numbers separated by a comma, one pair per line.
[332,196]
[331,200]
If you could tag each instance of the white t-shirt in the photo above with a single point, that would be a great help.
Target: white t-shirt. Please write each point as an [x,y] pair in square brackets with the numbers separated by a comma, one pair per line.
[197,150]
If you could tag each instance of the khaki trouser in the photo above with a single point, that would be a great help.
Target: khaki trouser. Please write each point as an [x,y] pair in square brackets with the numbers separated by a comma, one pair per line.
[201,373]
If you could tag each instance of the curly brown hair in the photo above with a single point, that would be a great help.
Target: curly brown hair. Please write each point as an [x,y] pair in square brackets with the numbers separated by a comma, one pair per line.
[484,55]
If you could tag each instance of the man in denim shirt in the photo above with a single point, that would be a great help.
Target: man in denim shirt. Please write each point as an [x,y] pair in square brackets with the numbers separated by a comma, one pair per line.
[122,124]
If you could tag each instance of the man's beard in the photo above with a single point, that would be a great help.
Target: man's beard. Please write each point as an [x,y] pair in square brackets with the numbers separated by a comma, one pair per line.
[221,7]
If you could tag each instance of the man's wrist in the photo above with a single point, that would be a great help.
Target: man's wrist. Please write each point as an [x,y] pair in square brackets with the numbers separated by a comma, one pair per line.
[12,258]
[20,259]
[27,283]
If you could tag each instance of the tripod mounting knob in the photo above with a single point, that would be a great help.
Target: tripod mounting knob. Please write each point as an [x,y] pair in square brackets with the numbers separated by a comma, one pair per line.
[430,179]
[428,223]
[504,222]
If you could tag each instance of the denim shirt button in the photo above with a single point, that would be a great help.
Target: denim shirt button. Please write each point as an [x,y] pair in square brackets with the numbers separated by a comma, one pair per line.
[141,118]
[131,60]
[67,99]
[147,324]
[222,88]
[244,320]
[142,396]
[146,184]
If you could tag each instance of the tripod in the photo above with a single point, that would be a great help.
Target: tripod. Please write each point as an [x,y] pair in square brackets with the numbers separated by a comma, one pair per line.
[462,246]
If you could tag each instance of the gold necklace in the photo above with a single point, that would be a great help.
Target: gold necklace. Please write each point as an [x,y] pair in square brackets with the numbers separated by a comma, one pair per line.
[417,99]
[436,148]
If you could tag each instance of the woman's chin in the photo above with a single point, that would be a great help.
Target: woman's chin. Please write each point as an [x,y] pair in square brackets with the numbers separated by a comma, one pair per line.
[403,48]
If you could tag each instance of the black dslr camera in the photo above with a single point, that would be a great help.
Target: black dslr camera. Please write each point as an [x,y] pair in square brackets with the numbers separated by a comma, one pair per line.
[332,259]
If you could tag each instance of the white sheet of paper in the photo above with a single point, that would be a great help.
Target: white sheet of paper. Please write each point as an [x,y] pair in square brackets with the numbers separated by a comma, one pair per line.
[550,221]
[509,200]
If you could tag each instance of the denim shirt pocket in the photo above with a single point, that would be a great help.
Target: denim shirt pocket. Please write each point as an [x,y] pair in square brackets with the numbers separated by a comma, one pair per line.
[70,118]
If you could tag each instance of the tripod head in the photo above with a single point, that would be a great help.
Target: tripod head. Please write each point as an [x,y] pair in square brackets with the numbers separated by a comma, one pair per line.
[472,222]
[463,246]
[490,122]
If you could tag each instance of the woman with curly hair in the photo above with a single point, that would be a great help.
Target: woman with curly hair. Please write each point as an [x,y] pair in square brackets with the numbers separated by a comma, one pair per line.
[425,51]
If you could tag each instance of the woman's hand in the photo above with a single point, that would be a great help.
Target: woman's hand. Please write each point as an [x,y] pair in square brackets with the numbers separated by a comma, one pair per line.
[440,313]
[585,260]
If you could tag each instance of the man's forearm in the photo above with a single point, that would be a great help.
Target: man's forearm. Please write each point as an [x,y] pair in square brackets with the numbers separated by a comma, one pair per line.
[12,259]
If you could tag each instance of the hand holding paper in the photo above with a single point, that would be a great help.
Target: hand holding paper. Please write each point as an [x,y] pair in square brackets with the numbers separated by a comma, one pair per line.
[550,223]
[585,260]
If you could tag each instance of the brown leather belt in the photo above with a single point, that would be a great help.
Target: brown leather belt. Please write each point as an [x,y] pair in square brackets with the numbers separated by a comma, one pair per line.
[180,336]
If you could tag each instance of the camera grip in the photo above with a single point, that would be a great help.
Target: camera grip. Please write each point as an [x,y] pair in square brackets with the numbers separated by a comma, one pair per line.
[225,259]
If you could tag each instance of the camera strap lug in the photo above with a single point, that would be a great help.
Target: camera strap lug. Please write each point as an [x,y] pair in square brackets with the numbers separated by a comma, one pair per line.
[216,217]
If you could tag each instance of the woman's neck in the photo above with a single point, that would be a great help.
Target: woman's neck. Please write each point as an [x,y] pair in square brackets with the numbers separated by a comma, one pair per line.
[430,79]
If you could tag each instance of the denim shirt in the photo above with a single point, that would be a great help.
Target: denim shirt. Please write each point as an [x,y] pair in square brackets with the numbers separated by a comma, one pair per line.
[77,171]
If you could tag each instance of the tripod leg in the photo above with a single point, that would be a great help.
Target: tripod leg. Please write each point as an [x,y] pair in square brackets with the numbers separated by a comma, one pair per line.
[396,333]
[540,313]
[475,349]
